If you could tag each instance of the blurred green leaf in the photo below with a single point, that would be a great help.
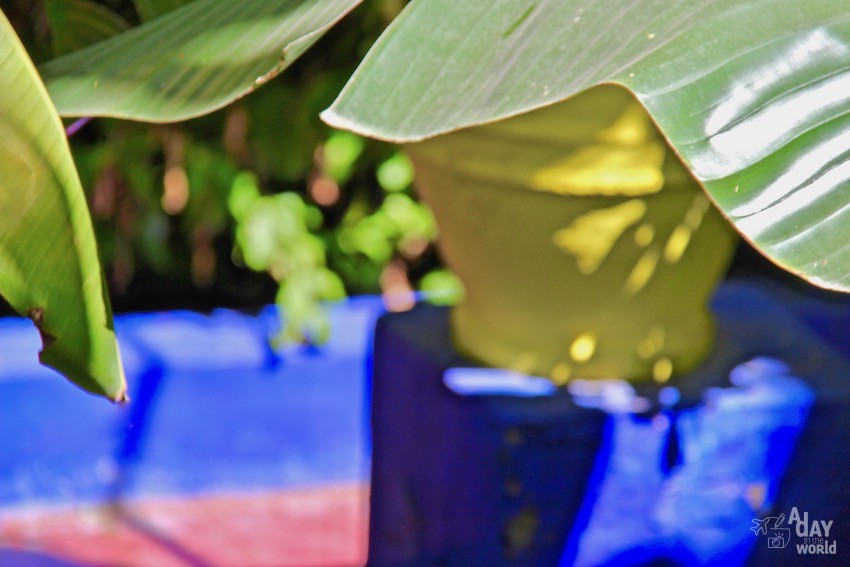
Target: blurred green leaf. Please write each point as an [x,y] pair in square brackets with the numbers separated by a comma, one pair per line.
[441,287]
[378,235]
[754,96]
[341,151]
[329,285]
[75,24]
[396,173]
[243,194]
[276,235]
[49,268]
[191,61]
[409,217]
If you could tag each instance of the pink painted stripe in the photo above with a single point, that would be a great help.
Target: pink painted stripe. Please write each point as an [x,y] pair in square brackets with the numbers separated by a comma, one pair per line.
[306,527]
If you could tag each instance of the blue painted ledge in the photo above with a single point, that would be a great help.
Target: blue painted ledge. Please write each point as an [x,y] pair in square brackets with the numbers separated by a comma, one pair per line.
[213,409]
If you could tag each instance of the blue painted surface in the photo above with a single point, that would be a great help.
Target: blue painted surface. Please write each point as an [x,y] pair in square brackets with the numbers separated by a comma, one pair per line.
[473,466]
[735,447]
[731,452]
[213,408]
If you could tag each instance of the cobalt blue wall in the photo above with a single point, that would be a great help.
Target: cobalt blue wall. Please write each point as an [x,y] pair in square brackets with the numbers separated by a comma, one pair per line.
[213,408]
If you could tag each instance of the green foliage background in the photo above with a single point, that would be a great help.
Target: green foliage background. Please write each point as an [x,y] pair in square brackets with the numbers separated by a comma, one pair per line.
[257,202]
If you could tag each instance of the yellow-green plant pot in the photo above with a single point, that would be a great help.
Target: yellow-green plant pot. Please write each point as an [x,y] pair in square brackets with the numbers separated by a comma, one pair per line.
[585,247]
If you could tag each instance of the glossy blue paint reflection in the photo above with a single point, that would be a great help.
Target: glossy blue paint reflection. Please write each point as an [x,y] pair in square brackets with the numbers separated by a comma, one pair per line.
[496,382]
[679,485]
[735,448]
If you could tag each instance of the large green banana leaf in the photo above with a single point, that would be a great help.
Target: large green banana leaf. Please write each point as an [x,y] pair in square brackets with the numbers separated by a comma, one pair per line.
[49,267]
[753,95]
[192,60]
